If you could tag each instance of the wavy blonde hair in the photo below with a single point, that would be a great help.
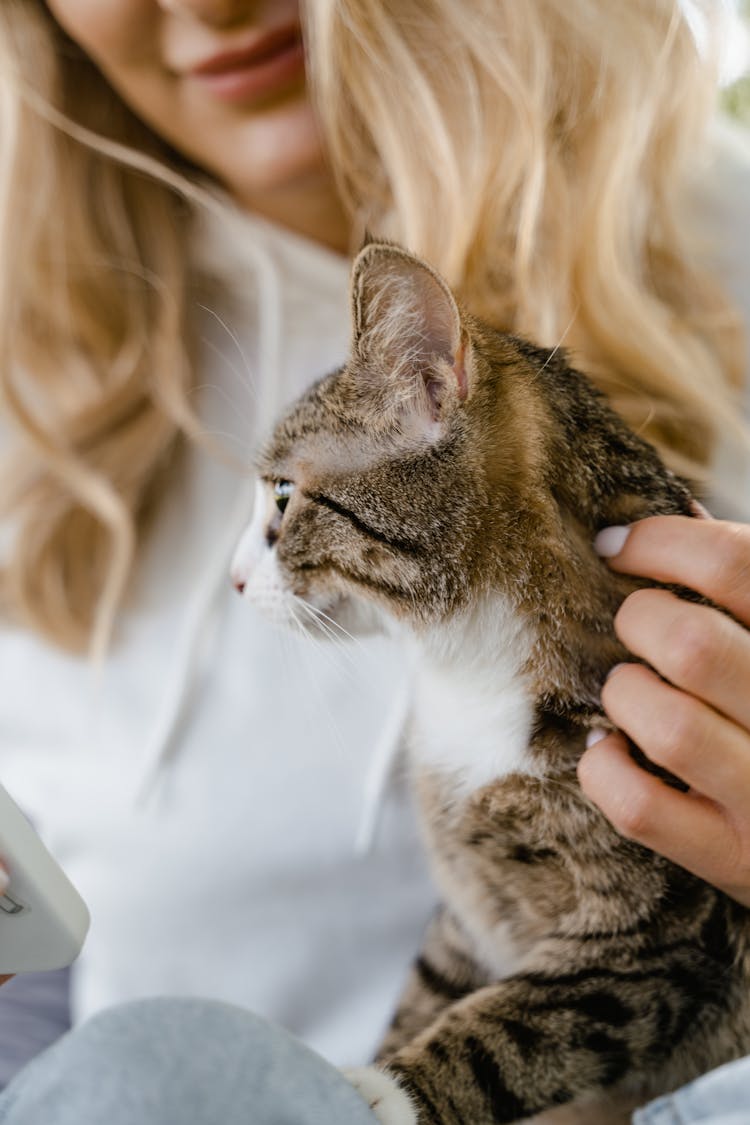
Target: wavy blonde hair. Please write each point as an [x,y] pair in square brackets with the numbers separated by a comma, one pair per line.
[535,153]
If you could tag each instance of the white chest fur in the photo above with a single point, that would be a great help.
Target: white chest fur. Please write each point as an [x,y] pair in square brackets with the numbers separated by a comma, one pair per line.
[473,708]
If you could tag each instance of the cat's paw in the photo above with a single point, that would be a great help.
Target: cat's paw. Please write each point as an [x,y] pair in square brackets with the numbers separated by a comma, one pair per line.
[383,1094]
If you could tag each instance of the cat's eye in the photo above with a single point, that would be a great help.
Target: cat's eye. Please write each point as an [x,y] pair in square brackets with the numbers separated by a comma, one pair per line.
[282,490]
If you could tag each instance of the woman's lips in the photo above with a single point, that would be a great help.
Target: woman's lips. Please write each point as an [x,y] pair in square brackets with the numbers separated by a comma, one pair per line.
[255,72]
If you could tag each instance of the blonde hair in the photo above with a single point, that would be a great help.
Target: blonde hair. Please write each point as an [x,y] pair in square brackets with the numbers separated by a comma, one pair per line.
[533,152]
[537,154]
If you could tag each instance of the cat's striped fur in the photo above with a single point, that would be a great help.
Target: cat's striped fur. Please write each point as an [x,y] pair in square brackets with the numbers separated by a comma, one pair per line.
[455,478]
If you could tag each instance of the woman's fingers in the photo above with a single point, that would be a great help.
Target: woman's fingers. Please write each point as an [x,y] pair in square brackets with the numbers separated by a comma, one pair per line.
[710,556]
[695,647]
[679,732]
[690,711]
[687,828]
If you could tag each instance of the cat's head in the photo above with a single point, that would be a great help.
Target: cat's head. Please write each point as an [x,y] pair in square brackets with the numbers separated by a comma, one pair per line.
[382,485]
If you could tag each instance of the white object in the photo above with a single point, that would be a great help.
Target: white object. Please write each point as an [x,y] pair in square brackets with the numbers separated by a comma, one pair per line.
[43,919]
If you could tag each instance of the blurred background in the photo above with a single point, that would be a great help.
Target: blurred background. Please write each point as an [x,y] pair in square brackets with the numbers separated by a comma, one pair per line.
[736,94]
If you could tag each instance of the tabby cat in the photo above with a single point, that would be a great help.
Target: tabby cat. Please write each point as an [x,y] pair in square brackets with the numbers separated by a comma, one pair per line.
[451,479]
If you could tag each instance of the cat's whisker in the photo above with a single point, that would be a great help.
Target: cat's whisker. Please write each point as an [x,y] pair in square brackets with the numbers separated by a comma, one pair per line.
[322,616]
[248,371]
[322,649]
[648,418]
[322,705]
[301,630]
[325,629]
[285,648]
[561,341]
[242,448]
[309,611]
[228,439]
[353,668]
[245,380]
[335,649]
[237,403]
[297,622]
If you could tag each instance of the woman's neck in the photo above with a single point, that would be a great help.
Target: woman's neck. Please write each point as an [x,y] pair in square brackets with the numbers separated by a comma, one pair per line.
[311,207]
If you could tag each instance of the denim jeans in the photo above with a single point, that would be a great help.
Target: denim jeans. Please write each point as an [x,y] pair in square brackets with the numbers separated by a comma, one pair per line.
[721,1097]
[180,1061]
[201,1062]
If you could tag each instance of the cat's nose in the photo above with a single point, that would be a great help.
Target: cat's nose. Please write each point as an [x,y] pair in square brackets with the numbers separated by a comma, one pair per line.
[239,585]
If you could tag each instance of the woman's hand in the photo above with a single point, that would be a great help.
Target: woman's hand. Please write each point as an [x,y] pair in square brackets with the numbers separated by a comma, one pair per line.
[697,723]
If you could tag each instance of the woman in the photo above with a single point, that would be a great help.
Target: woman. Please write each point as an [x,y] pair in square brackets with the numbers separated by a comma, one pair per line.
[540,156]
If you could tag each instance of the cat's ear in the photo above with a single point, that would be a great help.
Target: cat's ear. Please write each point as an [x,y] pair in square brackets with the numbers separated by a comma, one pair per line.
[408,330]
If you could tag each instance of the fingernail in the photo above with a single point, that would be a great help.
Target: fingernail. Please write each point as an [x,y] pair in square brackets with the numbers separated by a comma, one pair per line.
[594,736]
[613,669]
[4,880]
[610,541]
[699,511]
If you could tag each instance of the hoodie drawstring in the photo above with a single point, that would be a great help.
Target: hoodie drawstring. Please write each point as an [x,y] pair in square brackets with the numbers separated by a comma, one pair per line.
[203,608]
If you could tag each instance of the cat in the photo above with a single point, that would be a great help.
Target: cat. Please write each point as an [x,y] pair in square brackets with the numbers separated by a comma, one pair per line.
[451,479]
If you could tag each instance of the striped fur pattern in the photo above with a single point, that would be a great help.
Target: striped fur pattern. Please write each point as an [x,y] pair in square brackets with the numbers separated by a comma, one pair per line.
[452,479]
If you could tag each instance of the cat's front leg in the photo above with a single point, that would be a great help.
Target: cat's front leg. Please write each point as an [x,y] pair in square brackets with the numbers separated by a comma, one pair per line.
[535,1041]
[443,972]
[385,1097]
